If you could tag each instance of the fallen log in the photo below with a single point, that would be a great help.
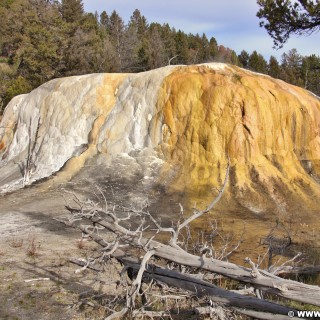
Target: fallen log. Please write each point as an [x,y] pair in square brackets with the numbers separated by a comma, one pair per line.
[243,304]
[216,294]
[105,218]
[261,280]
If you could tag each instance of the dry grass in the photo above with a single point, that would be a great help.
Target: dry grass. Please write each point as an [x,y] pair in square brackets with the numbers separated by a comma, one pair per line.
[15,242]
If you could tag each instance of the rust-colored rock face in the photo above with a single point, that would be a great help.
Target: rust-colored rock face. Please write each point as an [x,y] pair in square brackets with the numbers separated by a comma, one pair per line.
[179,125]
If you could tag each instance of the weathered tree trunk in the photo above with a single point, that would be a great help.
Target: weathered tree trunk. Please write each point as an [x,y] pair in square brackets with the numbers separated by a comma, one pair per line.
[243,304]
[105,219]
[261,280]
[202,288]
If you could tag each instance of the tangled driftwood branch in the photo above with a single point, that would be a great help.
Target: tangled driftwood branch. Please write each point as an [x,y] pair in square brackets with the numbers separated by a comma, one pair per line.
[105,221]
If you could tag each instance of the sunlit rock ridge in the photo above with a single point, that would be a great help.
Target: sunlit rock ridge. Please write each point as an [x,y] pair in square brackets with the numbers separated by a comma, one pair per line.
[177,126]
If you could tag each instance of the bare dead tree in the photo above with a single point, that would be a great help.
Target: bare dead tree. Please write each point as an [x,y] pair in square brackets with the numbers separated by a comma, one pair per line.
[277,241]
[110,228]
[172,58]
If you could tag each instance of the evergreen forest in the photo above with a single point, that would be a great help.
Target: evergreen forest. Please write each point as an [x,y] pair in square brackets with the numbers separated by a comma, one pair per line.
[45,39]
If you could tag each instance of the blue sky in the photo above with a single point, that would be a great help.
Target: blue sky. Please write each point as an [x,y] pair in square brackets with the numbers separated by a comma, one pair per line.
[232,22]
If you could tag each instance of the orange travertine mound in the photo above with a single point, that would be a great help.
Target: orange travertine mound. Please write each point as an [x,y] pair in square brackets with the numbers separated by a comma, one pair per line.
[186,119]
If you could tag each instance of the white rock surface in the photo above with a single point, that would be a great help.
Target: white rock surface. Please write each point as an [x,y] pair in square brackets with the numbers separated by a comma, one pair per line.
[54,122]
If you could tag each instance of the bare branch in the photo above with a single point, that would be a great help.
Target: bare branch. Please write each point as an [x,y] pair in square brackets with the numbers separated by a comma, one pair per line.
[263,280]
[118,315]
[136,285]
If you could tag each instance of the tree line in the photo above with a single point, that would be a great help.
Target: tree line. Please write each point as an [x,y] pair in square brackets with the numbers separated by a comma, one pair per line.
[45,39]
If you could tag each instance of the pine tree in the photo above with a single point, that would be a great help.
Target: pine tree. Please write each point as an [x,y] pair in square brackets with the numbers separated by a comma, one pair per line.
[284,18]
[72,10]
[84,50]
[104,19]
[234,58]
[257,62]
[16,86]
[116,29]
[243,58]
[311,73]
[33,42]
[168,37]
[136,44]
[213,48]
[274,69]
[181,41]
[157,51]
[139,23]
[291,65]
[195,49]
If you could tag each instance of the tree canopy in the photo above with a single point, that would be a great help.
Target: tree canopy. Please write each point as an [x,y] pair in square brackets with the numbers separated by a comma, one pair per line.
[282,18]
[45,39]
